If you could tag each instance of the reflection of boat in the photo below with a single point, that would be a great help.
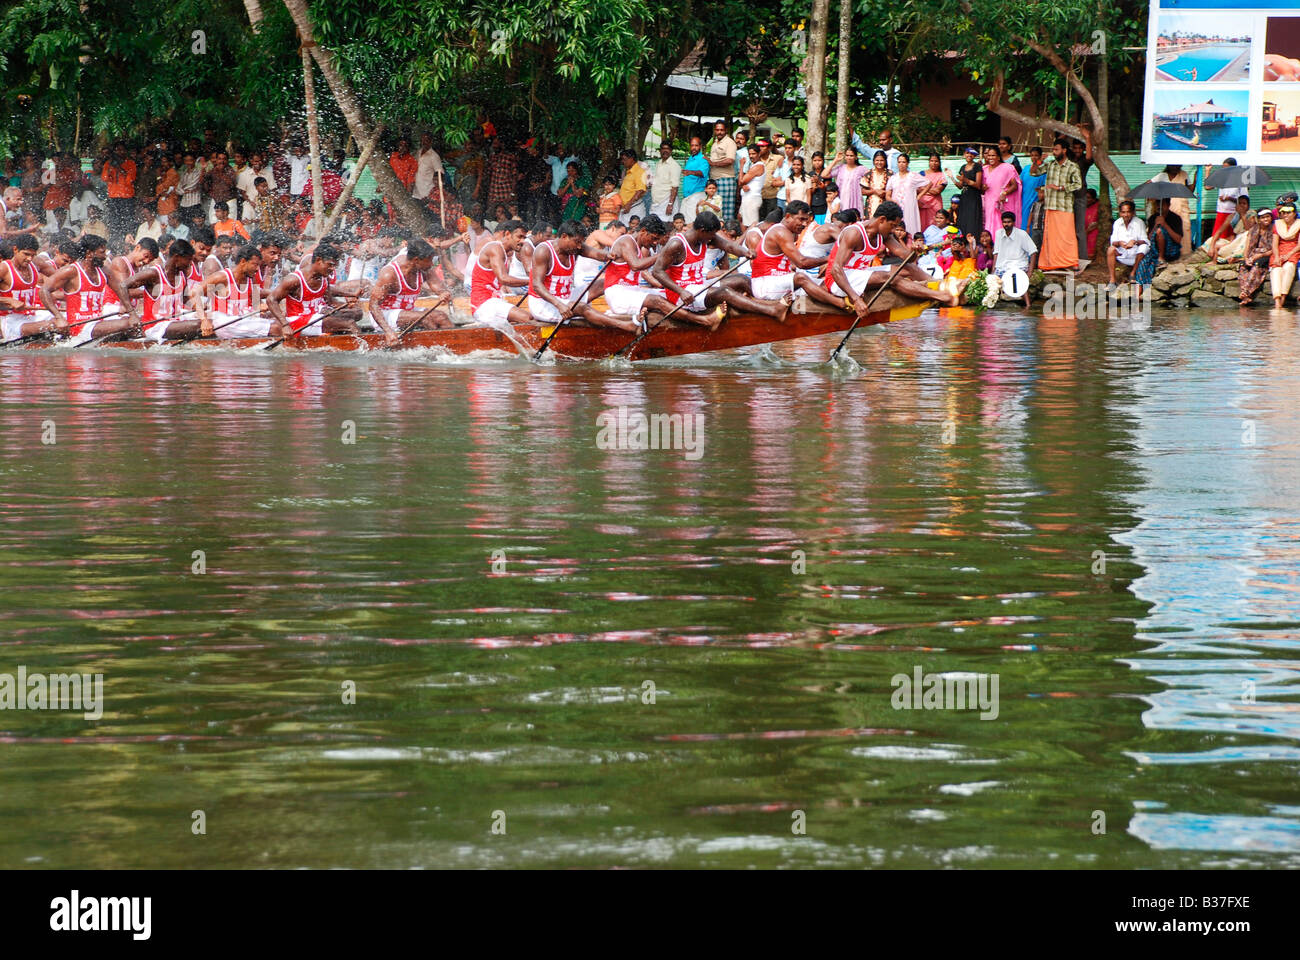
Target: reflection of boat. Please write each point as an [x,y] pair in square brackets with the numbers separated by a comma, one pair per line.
[589,343]
[1186,142]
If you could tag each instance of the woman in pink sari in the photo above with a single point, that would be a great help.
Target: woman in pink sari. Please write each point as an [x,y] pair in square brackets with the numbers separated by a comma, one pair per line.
[1001,188]
[931,198]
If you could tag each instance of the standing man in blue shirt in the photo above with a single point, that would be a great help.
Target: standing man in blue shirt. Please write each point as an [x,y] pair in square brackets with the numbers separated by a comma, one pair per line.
[695,173]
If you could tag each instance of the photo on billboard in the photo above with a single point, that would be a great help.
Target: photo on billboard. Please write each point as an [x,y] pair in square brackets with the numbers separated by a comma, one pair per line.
[1282,50]
[1201,48]
[1198,118]
[1280,130]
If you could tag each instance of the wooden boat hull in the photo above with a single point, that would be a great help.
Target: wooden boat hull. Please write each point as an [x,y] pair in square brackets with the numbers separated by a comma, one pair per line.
[581,343]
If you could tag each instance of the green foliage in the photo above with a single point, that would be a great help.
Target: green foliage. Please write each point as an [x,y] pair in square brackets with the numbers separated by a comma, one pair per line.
[133,70]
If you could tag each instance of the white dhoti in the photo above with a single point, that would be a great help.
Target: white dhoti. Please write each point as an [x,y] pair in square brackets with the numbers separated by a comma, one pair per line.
[11,324]
[238,327]
[774,286]
[857,279]
[626,299]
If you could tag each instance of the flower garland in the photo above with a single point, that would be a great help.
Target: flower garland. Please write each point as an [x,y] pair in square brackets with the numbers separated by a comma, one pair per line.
[983,290]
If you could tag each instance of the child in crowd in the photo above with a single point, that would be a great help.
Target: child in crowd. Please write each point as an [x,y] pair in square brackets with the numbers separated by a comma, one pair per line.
[611,204]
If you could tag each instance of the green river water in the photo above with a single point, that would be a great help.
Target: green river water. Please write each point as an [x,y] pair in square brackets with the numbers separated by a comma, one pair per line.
[950,508]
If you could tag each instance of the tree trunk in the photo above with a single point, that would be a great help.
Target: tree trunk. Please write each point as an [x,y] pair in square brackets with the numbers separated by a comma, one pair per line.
[351,185]
[814,71]
[411,213]
[313,141]
[1102,137]
[842,77]
[633,111]
[1100,155]
[254,8]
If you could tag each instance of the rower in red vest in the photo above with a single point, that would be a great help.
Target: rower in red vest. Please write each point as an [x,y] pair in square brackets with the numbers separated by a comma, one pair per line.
[774,276]
[629,256]
[123,268]
[393,295]
[551,296]
[163,284]
[302,296]
[849,273]
[490,272]
[21,314]
[680,268]
[83,284]
[236,298]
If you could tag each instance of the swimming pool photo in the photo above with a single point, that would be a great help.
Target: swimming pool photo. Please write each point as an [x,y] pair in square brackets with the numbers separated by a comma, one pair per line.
[1202,47]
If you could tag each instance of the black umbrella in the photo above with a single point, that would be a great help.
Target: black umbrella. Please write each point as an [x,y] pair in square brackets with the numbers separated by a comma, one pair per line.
[1247,176]
[1159,190]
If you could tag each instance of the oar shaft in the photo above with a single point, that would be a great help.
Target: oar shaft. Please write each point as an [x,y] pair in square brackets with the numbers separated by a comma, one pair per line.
[858,319]
[565,319]
[414,323]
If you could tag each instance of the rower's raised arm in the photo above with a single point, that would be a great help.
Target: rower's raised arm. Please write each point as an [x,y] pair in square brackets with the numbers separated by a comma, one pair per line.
[789,245]
[729,246]
[58,280]
[283,289]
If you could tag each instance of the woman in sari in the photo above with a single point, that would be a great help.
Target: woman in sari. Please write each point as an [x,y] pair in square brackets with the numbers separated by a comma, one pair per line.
[1001,189]
[1286,252]
[875,185]
[575,193]
[930,200]
[1254,264]
[847,174]
[970,181]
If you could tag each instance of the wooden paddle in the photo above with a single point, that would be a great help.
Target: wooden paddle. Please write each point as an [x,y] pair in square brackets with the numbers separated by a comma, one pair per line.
[648,330]
[220,326]
[293,333]
[33,337]
[411,326]
[121,333]
[565,319]
[858,319]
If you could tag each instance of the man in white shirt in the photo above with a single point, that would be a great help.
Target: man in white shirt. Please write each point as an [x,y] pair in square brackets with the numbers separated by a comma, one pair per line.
[428,170]
[153,228]
[1013,249]
[299,169]
[244,189]
[1128,240]
[666,182]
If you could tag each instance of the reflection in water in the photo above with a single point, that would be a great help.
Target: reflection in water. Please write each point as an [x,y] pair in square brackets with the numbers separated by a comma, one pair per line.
[1216,435]
[650,659]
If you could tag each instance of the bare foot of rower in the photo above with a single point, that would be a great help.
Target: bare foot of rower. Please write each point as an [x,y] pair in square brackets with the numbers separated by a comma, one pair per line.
[719,314]
[786,302]
[643,318]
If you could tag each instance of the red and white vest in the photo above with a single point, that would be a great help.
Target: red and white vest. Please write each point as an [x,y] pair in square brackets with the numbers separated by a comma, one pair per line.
[87,301]
[404,298]
[860,259]
[766,264]
[237,300]
[483,283]
[559,279]
[307,303]
[688,273]
[170,299]
[621,274]
[25,290]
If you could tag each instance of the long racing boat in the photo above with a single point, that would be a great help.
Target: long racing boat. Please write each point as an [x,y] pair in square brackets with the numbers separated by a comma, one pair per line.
[577,342]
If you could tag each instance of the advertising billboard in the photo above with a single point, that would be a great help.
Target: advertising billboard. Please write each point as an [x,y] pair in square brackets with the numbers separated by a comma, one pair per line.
[1223,80]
